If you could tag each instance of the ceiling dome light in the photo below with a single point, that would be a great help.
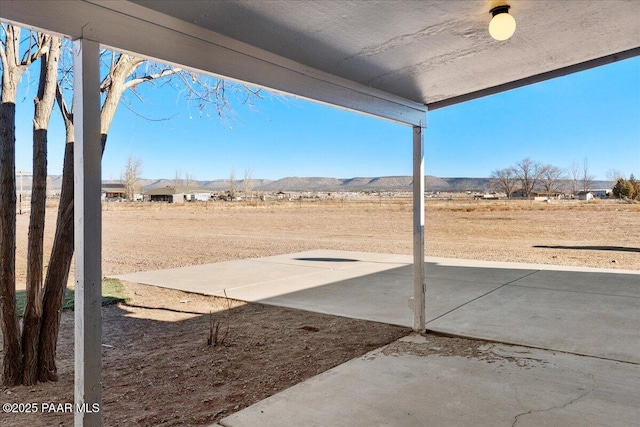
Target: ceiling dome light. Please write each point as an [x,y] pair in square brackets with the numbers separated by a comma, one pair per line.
[502,25]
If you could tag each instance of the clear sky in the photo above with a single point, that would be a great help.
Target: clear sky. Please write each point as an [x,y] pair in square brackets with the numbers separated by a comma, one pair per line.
[594,114]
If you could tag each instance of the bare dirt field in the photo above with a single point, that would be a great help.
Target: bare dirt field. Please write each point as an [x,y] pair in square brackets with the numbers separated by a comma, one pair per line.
[157,366]
[144,236]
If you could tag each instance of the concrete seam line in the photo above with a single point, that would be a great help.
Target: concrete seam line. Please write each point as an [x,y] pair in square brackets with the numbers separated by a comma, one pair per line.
[482,296]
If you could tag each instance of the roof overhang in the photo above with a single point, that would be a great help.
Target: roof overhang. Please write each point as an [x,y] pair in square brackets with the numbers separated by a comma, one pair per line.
[393,59]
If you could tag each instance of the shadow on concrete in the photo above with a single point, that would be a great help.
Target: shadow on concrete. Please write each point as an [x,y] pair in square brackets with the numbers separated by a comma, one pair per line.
[585,313]
[581,311]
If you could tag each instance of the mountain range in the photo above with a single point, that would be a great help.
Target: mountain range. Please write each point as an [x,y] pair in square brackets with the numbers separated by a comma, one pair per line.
[317,184]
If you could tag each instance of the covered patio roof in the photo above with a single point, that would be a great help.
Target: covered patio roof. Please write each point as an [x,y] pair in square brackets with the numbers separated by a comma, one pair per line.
[390,59]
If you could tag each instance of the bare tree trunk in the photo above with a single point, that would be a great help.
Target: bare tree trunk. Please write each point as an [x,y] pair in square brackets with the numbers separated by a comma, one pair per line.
[33,307]
[12,352]
[12,361]
[57,276]
[59,265]
[60,261]
[55,282]
[13,65]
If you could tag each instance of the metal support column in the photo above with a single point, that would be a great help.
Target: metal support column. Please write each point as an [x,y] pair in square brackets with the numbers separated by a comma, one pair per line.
[88,233]
[419,282]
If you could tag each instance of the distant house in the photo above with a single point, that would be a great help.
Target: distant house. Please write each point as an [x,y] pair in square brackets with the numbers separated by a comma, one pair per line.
[535,195]
[602,193]
[172,194]
[198,197]
[585,195]
[113,190]
[164,194]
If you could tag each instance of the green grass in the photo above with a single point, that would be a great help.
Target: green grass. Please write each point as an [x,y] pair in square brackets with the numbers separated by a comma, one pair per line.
[112,293]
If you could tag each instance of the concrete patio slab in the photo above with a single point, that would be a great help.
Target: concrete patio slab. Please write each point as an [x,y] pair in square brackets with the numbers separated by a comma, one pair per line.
[330,259]
[623,285]
[581,310]
[346,296]
[578,322]
[409,384]
[476,274]
[210,278]
[581,366]
[380,297]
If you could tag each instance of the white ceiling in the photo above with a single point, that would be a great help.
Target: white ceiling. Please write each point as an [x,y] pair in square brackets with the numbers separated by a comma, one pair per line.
[425,51]
[386,58]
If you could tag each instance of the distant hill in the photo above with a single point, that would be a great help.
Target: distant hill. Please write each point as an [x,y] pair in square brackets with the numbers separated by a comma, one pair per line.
[318,184]
[295,183]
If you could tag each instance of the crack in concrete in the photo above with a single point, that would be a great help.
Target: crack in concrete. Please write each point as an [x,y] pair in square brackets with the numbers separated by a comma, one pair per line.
[532,411]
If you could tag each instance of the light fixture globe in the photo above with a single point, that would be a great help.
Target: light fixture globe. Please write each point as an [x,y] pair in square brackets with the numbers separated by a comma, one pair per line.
[502,25]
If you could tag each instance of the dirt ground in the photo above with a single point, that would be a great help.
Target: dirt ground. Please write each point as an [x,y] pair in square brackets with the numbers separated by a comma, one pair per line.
[142,236]
[157,367]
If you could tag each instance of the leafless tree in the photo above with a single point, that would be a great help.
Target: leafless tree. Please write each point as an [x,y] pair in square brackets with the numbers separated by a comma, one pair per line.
[613,175]
[247,183]
[233,185]
[528,174]
[551,179]
[505,180]
[32,316]
[14,65]
[178,181]
[131,174]
[586,178]
[189,179]
[125,74]
[574,177]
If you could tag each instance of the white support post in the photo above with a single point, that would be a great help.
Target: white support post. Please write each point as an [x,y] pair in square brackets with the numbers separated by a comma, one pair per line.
[419,281]
[88,233]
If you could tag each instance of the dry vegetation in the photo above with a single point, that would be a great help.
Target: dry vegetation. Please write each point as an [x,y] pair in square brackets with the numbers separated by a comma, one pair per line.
[140,237]
[158,368]
[144,236]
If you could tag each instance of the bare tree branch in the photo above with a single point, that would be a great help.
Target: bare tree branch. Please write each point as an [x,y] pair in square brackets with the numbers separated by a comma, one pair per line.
[528,173]
[256,92]
[551,179]
[2,41]
[67,116]
[137,95]
[27,52]
[218,90]
[148,78]
[150,119]
[505,180]
[131,174]
[30,56]
[3,57]
[587,179]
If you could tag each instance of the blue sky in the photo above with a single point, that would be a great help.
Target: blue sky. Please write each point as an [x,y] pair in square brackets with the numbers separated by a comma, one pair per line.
[593,114]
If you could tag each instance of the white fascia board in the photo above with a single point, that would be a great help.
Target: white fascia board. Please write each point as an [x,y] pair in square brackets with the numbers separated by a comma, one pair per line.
[134,29]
